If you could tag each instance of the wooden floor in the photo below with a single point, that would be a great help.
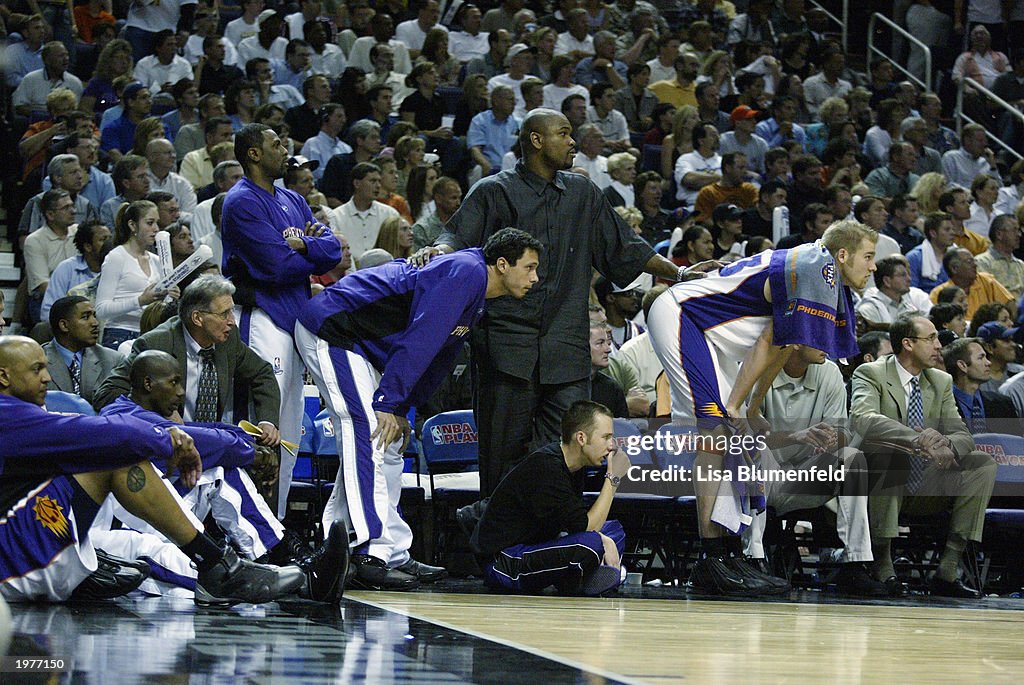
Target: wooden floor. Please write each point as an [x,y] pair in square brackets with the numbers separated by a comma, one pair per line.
[691,641]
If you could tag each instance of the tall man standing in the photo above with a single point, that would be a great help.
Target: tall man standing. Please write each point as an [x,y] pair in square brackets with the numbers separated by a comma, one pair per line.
[272,245]
[533,356]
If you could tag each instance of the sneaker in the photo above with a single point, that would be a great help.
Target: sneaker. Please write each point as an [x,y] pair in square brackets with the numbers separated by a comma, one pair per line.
[372,573]
[600,580]
[112,578]
[853,579]
[326,568]
[234,581]
[425,573]
[757,569]
[714,576]
[289,550]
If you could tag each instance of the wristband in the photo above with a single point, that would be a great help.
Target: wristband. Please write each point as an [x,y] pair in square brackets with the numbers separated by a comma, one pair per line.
[681,273]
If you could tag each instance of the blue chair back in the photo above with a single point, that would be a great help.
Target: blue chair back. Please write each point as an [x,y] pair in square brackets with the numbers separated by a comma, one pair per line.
[59,402]
[307,445]
[450,438]
[311,405]
[650,158]
[627,437]
[325,443]
[662,247]
[450,95]
[671,447]
[1008,452]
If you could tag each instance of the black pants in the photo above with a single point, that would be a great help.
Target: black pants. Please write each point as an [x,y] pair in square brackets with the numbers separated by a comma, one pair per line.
[515,416]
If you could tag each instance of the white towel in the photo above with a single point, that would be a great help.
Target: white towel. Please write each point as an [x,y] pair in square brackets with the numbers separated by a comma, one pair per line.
[930,264]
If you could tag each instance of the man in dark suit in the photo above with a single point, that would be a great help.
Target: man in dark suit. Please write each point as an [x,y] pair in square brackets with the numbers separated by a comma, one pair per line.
[77,363]
[205,332]
[905,402]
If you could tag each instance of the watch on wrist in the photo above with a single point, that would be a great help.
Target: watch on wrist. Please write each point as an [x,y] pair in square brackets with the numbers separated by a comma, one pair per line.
[614,479]
[681,273]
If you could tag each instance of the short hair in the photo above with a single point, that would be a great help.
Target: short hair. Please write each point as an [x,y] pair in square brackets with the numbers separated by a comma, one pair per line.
[635,68]
[250,136]
[252,65]
[569,99]
[293,45]
[745,79]
[502,89]
[775,154]
[62,308]
[702,88]
[620,160]
[217,207]
[933,220]
[84,234]
[700,132]
[441,184]
[361,170]
[307,84]
[871,343]
[158,196]
[48,202]
[643,178]
[598,90]
[589,128]
[125,167]
[510,244]
[948,198]
[771,187]
[56,166]
[160,36]
[1000,224]
[848,234]
[901,201]
[954,256]
[207,100]
[957,351]
[363,128]
[729,158]
[902,327]
[948,294]
[864,206]
[581,416]
[811,212]
[220,172]
[201,292]
[886,267]
[371,93]
[944,312]
[291,174]
[805,163]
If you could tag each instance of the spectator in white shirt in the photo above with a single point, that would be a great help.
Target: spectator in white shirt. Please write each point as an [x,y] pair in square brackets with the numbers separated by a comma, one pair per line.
[414,31]
[361,217]
[383,28]
[699,168]
[561,86]
[576,42]
[470,42]
[245,26]
[268,43]
[663,67]
[162,161]
[589,157]
[161,70]
[310,10]
[328,59]
[826,83]
[32,91]
[519,60]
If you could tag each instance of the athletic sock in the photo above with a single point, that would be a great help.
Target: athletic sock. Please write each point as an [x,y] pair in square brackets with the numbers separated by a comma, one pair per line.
[203,551]
[949,562]
[733,545]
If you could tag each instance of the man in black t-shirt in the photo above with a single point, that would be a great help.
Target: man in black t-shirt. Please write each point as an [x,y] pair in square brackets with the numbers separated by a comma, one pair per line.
[537,531]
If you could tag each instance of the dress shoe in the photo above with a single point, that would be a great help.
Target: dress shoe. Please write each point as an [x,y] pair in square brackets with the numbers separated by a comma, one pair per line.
[894,587]
[952,588]
[110,579]
[234,580]
[372,573]
[713,575]
[327,567]
[854,580]
[423,572]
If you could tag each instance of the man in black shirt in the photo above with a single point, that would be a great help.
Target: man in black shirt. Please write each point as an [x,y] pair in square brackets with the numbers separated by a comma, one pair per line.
[520,535]
[603,388]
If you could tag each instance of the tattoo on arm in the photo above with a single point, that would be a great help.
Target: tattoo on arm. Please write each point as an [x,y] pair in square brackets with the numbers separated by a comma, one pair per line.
[136,479]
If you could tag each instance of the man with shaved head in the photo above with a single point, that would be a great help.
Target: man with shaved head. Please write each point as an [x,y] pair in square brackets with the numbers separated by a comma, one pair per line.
[534,354]
[57,471]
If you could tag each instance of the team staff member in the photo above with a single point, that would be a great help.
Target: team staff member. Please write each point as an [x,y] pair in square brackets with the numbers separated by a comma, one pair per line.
[520,534]
[532,357]
[378,342]
[61,468]
[271,271]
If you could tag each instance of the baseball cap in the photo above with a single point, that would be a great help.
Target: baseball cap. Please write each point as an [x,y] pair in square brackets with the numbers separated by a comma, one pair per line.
[726,212]
[518,49]
[300,161]
[264,15]
[131,90]
[993,330]
[743,112]
[604,287]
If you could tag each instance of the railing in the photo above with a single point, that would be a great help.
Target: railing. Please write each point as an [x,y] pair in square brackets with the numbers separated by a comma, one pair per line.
[896,28]
[842,22]
[993,99]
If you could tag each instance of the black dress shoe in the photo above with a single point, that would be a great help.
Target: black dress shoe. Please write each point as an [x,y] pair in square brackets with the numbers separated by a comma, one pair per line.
[372,573]
[895,587]
[327,567]
[854,580]
[423,572]
[110,580]
[955,588]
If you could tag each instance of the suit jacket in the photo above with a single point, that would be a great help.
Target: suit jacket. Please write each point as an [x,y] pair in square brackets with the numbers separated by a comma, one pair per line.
[234,360]
[879,406]
[97,363]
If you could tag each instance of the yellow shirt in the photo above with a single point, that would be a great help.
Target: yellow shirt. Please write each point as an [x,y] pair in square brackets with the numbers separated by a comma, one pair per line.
[975,242]
[672,92]
[985,289]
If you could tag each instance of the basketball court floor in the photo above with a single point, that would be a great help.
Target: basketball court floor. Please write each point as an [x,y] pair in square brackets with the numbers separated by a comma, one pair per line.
[455,633]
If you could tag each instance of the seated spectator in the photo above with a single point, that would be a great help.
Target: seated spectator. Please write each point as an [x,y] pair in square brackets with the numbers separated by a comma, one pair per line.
[985,191]
[217,68]
[32,148]
[130,274]
[267,43]
[159,71]
[902,224]
[781,127]
[589,157]
[727,230]
[639,105]
[470,42]
[871,212]
[493,132]
[50,245]
[384,74]
[827,83]
[696,245]
[426,109]
[957,203]
[326,143]
[914,131]
[435,51]
[382,28]
[602,67]
[197,166]
[777,167]
[190,136]
[115,59]
[609,120]
[840,201]
[815,218]
[76,361]
[186,97]
[447,196]
[897,177]
[225,175]
[962,166]
[23,57]
[576,40]
[305,120]
[520,536]
[298,176]
[948,319]
[621,306]
[656,223]
[297,65]
[118,138]
[182,246]
[682,89]
[754,25]
[731,188]
[474,99]
[32,90]
[968,364]
[389,186]
[622,171]
[709,100]
[742,138]
[952,294]
[981,288]
[420,191]
[699,168]
[131,178]
[381,106]
[604,389]
[160,156]
[328,58]
[575,110]
[492,63]
[395,238]
[807,185]
[65,173]
[260,72]
[1011,194]
[410,151]
[168,211]
[980,63]
[999,260]
[758,220]
[562,85]
[361,217]
[413,32]
[92,240]
[1002,344]
[894,295]
[247,25]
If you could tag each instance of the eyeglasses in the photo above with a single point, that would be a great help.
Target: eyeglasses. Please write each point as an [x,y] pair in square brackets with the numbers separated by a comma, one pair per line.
[933,338]
[223,316]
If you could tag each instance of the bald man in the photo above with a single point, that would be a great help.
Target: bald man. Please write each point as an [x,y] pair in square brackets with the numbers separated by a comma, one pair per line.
[225,491]
[534,354]
[57,470]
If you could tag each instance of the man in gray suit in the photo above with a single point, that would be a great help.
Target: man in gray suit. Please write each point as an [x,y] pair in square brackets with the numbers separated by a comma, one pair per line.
[904,403]
[218,369]
[77,363]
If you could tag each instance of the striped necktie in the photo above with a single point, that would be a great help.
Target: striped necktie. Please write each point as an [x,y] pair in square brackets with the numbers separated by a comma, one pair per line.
[76,375]
[915,419]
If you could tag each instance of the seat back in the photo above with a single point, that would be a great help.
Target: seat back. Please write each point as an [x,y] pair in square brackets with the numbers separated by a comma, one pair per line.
[650,158]
[450,441]
[59,402]
[1008,452]
[325,443]
[627,437]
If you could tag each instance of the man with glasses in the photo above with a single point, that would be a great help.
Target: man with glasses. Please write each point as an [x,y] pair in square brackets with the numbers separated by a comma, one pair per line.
[50,245]
[904,407]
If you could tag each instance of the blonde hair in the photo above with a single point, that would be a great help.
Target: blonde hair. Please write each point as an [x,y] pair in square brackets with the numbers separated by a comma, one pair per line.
[631,215]
[387,238]
[927,190]
[105,62]
[404,146]
[619,161]
[680,133]
[61,99]
[848,234]
[831,108]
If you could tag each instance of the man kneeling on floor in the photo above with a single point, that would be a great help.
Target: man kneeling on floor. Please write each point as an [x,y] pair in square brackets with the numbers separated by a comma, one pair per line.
[537,531]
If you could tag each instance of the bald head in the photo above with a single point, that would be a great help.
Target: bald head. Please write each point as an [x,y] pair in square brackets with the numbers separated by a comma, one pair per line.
[14,348]
[151,365]
[23,371]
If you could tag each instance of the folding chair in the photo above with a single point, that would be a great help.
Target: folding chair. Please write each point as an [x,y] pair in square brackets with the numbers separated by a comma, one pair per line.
[650,158]
[59,402]
[451,453]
